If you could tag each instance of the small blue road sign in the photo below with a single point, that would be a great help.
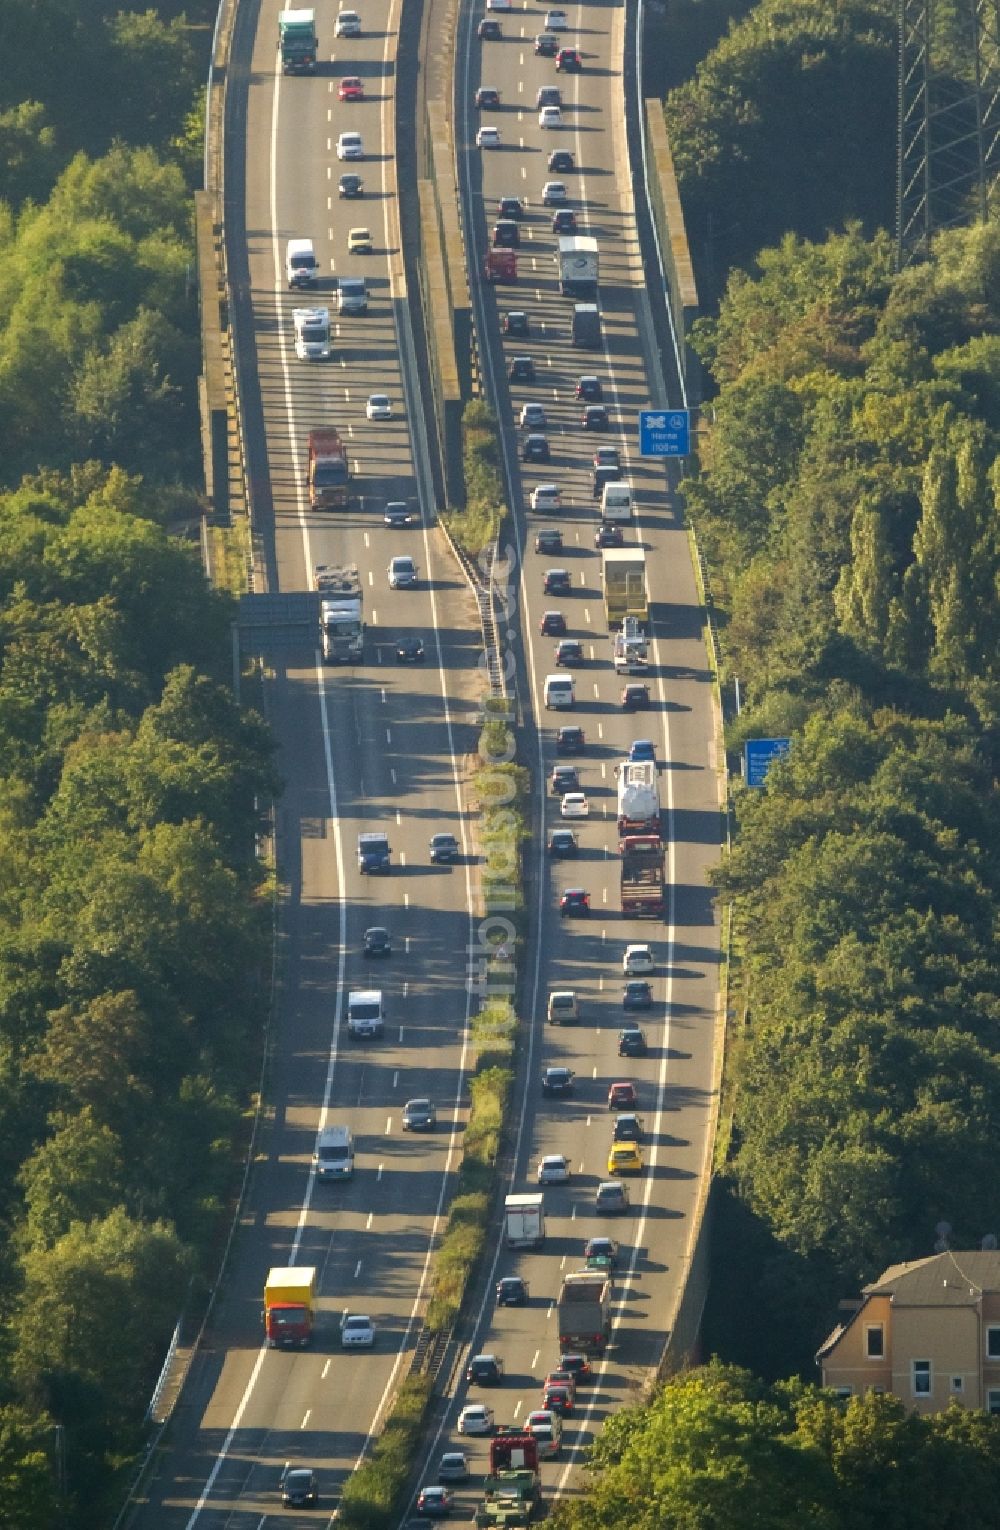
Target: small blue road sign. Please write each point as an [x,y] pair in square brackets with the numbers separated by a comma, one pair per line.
[664,432]
[757,756]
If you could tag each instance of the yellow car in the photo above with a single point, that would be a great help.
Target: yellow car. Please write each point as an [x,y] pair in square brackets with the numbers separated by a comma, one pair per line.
[625,1158]
[359,241]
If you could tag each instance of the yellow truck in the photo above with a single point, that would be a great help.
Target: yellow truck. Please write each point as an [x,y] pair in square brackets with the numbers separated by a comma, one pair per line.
[289,1306]
[624,570]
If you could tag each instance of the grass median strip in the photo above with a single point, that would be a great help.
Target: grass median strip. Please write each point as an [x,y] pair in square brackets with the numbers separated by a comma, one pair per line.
[476,526]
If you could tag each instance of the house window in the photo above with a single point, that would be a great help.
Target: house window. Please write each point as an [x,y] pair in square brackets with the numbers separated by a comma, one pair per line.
[843,1393]
[921,1378]
[875,1342]
[993,1403]
[957,1384]
[993,1342]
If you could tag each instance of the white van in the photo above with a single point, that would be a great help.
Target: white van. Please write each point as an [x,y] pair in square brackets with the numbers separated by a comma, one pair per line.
[546,1426]
[334,1155]
[559,691]
[617,503]
[352,295]
[365,1012]
[301,269]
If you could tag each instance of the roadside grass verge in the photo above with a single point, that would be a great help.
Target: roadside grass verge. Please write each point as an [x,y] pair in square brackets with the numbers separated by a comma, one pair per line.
[372,1495]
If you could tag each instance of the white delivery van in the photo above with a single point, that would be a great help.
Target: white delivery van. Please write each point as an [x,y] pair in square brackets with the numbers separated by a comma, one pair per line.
[352,295]
[559,691]
[301,269]
[334,1155]
[365,1013]
[617,503]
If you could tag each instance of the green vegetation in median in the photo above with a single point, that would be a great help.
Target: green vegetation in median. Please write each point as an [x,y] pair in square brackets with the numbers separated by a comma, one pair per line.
[476,526]
[373,1495]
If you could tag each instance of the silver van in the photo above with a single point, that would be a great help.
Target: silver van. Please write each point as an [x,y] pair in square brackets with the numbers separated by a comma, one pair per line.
[334,1154]
[352,295]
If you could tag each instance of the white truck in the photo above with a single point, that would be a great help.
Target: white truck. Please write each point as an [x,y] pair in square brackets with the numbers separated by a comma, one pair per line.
[365,1013]
[524,1221]
[638,797]
[312,333]
[578,260]
[631,648]
[341,612]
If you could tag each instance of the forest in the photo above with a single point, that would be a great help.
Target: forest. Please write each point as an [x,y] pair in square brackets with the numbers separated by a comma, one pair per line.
[855,550]
[134,918]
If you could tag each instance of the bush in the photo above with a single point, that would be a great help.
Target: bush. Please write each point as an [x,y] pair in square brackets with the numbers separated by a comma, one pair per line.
[373,1495]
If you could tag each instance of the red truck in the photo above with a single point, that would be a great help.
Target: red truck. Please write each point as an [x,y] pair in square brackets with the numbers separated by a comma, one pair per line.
[513,1450]
[500,265]
[329,471]
[642,875]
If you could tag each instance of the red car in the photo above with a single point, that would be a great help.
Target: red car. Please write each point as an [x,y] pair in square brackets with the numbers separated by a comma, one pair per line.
[622,1096]
[351,89]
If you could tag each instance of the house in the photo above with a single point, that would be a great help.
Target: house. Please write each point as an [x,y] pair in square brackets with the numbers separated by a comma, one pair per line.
[927,1331]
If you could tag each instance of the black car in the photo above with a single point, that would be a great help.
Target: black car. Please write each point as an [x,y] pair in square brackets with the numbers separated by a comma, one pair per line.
[564,221]
[548,540]
[606,473]
[569,651]
[515,323]
[485,1370]
[635,698]
[575,900]
[564,778]
[556,581]
[628,1127]
[561,160]
[568,61]
[510,207]
[570,740]
[397,514]
[410,650]
[606,1250]
[443,848]
[487,99]
[562,842]
[546,44]
[595,417]
[521,369]
[535,448]
[512,1291]
[589,389]
[558,1081]
[506,235]
[632,1041]
[489,31]
[351,186]
[299,1488]
[637,994]
[609,535]
[377,942]
[552,624]
[577,1365]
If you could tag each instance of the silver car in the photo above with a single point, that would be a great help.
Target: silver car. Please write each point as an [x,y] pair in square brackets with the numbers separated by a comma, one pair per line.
[419,1116]
[402,573]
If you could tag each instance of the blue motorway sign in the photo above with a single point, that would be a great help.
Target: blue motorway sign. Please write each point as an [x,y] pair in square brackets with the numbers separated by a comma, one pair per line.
[664,432]
[758,754]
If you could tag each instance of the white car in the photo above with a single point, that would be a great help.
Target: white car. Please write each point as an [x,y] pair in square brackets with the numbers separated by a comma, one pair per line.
[475,1418]
[546,496]
[402,573]
[350,146]
[348,24]
[574,805]
[550,117]
[379,407]
[532,417]
[553,1170]
[498,5]
[356,1331]
[488,138]
[638,960]
[556,21]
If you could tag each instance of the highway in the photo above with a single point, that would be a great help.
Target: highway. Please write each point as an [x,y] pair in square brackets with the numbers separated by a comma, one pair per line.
[377,745]
[361,747]
[675,1080]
